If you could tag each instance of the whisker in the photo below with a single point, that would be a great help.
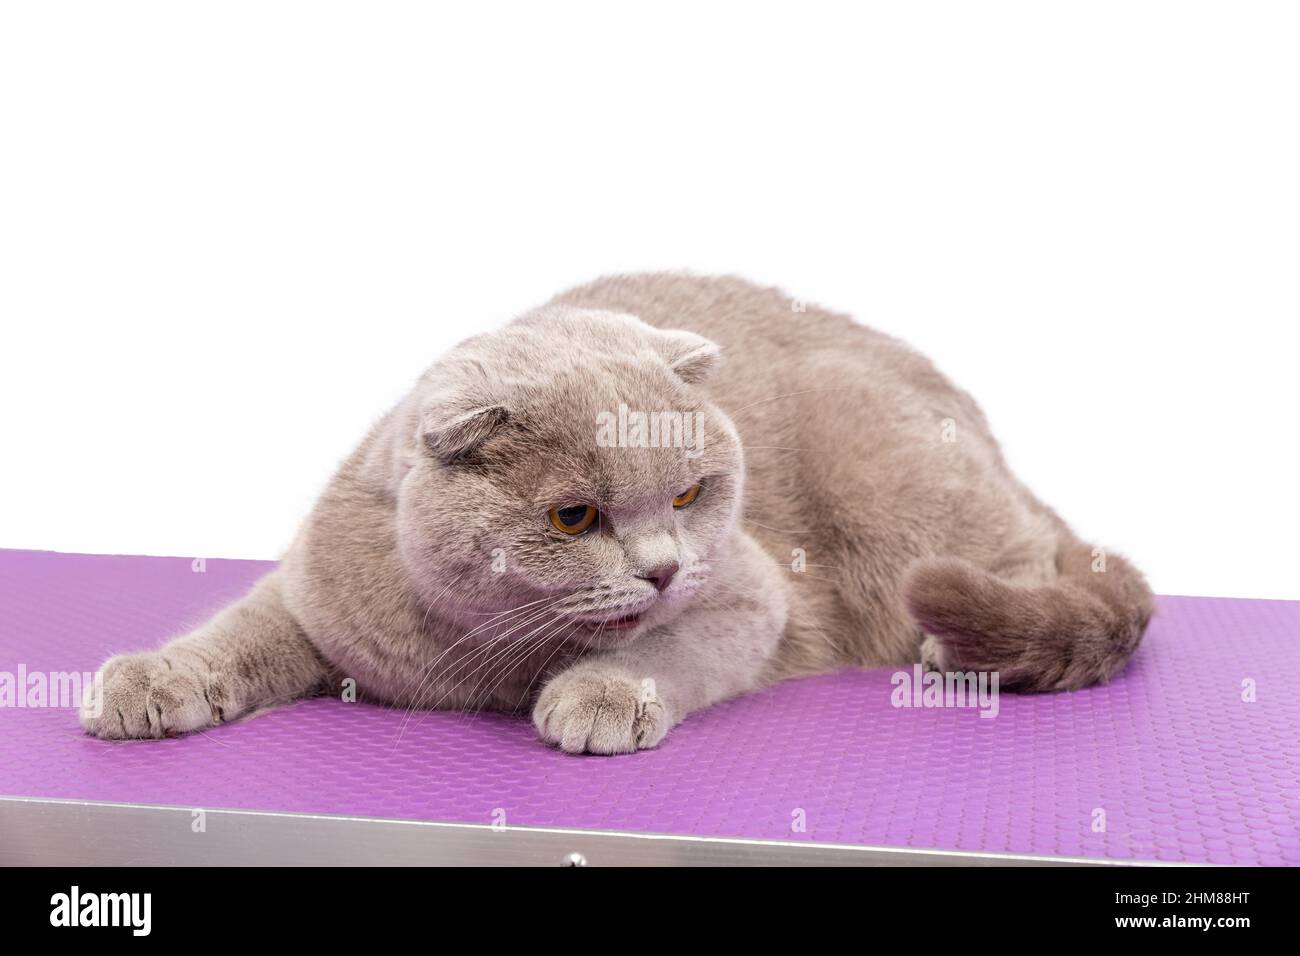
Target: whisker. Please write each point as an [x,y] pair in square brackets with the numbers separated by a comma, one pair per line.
[768,527]
[561,625]
[488,667]
[495,641]
[777,398]
[529,611]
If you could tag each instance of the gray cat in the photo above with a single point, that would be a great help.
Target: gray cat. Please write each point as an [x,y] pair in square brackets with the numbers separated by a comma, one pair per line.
[652,494]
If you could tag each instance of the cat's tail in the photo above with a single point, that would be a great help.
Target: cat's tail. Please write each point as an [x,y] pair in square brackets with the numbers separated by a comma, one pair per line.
[1077,630]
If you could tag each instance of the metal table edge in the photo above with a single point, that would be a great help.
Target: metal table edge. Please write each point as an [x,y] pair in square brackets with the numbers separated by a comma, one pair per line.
[40,831]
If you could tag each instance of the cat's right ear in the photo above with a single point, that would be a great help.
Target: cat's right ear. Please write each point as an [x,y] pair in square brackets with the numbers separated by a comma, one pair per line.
[450,437]
[693,358]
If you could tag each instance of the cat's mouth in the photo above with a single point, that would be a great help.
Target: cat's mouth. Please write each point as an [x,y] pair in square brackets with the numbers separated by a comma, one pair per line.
[622,623]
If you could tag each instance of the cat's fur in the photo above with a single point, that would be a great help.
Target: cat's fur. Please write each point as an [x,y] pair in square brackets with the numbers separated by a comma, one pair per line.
[855,511]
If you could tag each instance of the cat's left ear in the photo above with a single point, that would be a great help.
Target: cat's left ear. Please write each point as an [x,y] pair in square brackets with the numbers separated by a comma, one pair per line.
[693,357]
[451,436]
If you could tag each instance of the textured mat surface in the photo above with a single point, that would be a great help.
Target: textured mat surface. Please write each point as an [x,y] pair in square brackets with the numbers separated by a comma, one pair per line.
[1169,759]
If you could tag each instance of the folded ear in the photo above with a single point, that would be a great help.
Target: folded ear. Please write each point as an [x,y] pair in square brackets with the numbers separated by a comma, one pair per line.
[693,357]
[450,436]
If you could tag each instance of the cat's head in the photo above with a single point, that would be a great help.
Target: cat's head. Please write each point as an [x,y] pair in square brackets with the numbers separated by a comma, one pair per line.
[567,472]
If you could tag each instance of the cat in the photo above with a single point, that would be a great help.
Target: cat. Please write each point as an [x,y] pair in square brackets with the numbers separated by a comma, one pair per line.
[652,494]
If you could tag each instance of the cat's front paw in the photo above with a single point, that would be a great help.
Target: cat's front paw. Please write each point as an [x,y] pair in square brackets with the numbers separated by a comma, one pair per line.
[149,695]
[589,710]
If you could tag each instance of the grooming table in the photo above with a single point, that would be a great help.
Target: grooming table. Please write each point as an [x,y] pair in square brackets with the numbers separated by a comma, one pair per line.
[821,770]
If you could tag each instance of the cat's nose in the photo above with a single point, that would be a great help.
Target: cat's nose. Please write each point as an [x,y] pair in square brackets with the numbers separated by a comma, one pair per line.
[661,576]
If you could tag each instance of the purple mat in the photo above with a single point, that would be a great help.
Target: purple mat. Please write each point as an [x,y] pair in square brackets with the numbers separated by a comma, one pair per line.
[1183,768]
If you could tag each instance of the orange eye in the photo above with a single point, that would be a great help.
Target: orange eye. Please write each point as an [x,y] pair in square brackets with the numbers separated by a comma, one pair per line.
[686,497]
[574,519]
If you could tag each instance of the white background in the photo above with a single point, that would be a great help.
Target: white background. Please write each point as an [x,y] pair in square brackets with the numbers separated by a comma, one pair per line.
[232,234]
